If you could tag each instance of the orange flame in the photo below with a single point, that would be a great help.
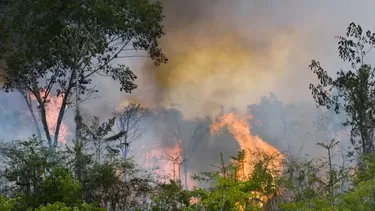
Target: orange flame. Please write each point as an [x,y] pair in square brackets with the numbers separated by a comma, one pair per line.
[52,111]
[240,129]
[169,160]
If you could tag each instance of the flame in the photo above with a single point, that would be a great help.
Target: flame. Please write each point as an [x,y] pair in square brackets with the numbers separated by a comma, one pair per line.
[169,161]
[52,111]
[240,129]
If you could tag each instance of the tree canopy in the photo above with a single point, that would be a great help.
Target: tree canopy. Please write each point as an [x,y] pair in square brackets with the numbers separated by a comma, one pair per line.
[59,46]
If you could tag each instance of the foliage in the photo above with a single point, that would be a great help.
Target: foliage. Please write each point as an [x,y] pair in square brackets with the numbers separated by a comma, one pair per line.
[62,207]
[366,169]
[59,186]
[62,49]
[226,194]
[7,204]
[170,197]
[106,187]
[228,191]
[354,89]
[26,164]
[360,198]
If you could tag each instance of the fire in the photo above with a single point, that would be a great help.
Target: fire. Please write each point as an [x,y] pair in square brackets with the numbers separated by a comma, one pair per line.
[240,129]
[52,111]
[169,161]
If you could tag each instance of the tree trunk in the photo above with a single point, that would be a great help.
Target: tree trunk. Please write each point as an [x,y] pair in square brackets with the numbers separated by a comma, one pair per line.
[27,98]
[63,106]
[42,109]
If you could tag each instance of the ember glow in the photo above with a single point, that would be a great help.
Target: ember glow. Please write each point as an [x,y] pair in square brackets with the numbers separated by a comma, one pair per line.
[52,111]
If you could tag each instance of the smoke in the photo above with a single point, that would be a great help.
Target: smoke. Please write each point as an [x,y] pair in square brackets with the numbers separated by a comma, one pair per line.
[216,59]
[226,55]
[231,53]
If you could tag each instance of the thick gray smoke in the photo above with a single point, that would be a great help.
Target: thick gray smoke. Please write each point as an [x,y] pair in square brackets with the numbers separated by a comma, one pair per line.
[231,53]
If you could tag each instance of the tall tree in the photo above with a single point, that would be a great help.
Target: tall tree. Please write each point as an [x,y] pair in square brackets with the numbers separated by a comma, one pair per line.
[132,121]
[353,90]
[57,47]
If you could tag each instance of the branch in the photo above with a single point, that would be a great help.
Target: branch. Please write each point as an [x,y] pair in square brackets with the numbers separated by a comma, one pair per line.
[115,137]
[63,106]
[132,56]
[48,89]
[114,57]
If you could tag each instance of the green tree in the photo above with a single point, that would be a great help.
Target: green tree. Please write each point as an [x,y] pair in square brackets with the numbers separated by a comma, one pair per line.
[170,197]
[7,204]
[62,48]
[301,182]
[59,186]
[104,184]
[353,90]
[229,192]
[26,164]
[58,206]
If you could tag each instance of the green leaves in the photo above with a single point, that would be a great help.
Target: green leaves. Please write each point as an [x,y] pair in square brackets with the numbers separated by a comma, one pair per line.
[59,186]
[58,206]
[351,91]
[170,197]
[67,43]
[7,204]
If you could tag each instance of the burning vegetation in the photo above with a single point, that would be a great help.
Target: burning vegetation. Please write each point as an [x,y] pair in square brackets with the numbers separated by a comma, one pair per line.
[240,129]
[166,157]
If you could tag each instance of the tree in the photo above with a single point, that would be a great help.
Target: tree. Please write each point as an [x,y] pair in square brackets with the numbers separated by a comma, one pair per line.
[37,178]
[7,204]
[104,185]
[58,206]
[352,91]
[170,197]
[97,135]
[132,121]
[26,163]
[59,186]
[230,190]
[60,50]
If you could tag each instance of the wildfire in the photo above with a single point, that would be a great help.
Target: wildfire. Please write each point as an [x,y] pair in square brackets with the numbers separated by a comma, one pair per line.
[169,161]
[52,111]
[240,129]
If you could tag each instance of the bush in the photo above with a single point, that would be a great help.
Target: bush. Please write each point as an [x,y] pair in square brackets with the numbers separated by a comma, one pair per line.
[58,206]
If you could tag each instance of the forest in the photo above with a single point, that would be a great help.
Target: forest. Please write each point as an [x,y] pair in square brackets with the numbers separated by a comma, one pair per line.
[53,53]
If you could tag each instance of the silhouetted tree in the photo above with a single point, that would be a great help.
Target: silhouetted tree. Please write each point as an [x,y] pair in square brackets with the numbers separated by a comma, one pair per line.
[353,90]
